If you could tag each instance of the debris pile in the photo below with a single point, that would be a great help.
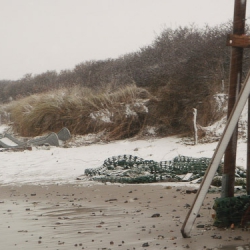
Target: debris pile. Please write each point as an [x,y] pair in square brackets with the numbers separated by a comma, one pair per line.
[52,139]
[133,169]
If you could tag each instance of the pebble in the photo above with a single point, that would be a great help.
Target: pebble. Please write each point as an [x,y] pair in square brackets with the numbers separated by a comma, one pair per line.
[156,215]
[145,244]
[238,238]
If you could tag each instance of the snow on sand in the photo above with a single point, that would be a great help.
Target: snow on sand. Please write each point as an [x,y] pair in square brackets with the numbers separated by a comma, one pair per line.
[64,165]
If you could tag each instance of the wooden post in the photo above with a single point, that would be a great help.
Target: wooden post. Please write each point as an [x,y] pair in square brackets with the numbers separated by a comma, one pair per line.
[222,86]
[195,126]
[235,80]
[228,140]
[248,150]
[216,159]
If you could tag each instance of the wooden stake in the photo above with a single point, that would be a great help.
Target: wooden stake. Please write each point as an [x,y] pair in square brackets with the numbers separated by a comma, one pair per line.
[248,151]
[195,126]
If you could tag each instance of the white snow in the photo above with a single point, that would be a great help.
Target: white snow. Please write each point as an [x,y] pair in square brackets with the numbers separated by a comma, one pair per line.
[63,165]
[3,128]
[151,130]
[129,111]
[8,142]
[221,101]
[102,115]
[60,165]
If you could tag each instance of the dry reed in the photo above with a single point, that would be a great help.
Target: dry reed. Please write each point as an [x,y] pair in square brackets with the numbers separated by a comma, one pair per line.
[82,111]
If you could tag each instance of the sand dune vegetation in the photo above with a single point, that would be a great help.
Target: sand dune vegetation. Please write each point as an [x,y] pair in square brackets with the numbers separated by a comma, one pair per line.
[156,87]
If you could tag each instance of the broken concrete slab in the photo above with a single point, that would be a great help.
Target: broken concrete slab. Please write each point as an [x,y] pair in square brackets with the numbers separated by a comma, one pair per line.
[13,139]
[7,143]
[51,139]
[187,177]
[64,134]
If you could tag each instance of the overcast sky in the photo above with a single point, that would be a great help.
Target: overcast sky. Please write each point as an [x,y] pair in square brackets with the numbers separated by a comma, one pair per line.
[41,35]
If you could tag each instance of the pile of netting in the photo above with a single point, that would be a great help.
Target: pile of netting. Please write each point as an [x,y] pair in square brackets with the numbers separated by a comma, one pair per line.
[232,210]
[133,169]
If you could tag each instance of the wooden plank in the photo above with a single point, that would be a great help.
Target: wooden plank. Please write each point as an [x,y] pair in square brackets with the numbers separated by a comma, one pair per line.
[187,177]
[218,154]
[241,41]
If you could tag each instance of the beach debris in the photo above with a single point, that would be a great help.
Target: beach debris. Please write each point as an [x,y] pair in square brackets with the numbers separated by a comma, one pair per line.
[52,139]
[133,169]
[215,236]
[187,205]
[238,238]
[194,191]
[200,226]
[110,200]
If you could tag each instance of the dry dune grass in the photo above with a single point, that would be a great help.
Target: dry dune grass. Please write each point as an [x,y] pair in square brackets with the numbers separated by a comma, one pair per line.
[121,113]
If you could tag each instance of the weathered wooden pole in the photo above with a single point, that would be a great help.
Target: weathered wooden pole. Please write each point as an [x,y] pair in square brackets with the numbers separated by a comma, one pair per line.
[228,141]
[216,159]
[195,126]
[248,150]
[234,87]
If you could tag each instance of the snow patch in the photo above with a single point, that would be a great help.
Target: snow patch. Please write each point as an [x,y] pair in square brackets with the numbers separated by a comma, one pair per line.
[3,128]
[221,101]
[128,111]
[140,106]
[103,115]
[59,165]
[151,130]
[135,108]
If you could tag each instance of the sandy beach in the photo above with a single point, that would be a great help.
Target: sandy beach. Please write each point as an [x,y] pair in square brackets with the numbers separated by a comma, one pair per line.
[114,216]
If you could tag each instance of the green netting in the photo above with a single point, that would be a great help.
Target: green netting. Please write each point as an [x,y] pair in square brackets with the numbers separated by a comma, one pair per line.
[133,169]
[230,210]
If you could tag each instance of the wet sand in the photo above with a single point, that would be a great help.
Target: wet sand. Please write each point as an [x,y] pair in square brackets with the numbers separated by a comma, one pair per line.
[99,216]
